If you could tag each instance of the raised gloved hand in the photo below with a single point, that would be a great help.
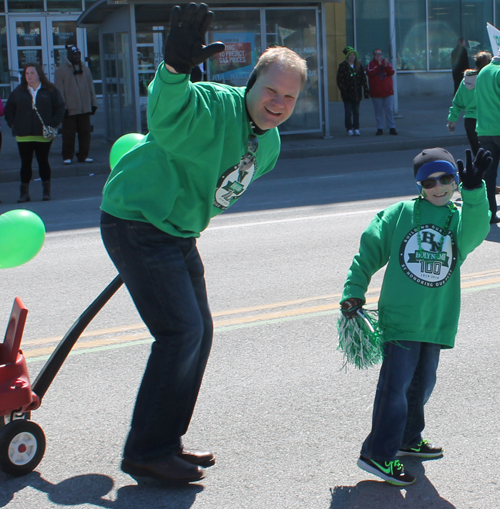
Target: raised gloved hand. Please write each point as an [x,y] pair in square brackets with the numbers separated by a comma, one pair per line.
[185,45]
[350,307]
[472,175]
[451,126]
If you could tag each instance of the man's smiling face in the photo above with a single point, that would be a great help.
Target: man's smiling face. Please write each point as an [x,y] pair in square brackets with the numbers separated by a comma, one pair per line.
[272,98]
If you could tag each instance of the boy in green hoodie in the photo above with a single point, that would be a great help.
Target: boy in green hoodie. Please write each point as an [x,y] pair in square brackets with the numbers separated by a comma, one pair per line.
[423,242]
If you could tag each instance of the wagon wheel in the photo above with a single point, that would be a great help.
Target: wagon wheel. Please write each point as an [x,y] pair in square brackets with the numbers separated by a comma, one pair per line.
[22,445]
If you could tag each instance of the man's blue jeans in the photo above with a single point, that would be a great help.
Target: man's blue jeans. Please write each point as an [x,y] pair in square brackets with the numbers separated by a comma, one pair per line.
[406,381]
[165,277]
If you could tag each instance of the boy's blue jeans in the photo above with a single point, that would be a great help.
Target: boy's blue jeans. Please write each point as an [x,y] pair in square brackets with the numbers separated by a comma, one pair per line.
[165,277]
[407,378]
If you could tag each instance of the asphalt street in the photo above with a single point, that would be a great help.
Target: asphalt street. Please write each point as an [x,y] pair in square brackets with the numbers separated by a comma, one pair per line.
[284,419]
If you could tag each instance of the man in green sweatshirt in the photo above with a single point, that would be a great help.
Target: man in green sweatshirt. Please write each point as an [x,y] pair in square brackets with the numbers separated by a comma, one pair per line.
[207,142]
[424,243]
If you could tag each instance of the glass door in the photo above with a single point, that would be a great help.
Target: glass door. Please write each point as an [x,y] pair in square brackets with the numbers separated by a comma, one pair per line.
[118,85]
[42,40]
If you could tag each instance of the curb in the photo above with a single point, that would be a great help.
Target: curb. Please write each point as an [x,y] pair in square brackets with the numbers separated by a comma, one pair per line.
[289,150]
[61,171]
[320,150]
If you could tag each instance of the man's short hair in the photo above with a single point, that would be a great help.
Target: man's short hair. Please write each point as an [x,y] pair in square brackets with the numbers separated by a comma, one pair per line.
[287,59]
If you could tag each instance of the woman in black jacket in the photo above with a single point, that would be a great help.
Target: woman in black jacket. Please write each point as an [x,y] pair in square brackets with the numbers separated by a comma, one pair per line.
[351,80]
[21,116]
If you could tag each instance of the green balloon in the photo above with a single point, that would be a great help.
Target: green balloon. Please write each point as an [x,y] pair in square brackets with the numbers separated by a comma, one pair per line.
[22,234]
[122,145]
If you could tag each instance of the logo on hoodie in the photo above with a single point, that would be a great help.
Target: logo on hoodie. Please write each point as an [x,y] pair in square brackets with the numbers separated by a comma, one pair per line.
[233,183]
[433,262]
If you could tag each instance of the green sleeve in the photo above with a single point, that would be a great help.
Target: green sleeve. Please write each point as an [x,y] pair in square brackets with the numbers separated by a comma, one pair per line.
[374,252]
[179,111]
[458,105]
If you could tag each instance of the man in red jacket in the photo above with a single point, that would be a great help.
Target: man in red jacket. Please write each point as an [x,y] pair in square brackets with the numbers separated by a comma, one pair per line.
[379,72]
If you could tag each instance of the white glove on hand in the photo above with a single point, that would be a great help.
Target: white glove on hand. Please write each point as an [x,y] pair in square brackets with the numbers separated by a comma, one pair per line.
[451,126]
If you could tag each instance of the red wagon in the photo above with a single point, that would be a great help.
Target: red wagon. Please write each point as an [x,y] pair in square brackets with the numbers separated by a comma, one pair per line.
[22,442]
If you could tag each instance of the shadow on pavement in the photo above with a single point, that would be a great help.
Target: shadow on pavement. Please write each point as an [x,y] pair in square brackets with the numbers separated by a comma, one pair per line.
[494,235]
[94,488]
[381,495]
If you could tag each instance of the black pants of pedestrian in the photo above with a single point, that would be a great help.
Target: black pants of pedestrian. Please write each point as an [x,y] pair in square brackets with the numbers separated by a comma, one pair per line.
[457,79]
[41,149]
[71,126]
[351,110]
[470,129]
[491,143]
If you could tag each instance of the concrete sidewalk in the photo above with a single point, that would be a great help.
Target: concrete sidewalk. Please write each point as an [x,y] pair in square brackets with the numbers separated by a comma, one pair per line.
[420,122]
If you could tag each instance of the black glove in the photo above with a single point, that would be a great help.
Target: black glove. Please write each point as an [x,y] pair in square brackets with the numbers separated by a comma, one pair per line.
[185,45]
[472,175]
[94,109]
[66,113]
[350,307]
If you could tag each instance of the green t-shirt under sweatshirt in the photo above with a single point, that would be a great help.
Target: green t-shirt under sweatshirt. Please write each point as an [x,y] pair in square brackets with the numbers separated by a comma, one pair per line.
[192,165]
[420,296]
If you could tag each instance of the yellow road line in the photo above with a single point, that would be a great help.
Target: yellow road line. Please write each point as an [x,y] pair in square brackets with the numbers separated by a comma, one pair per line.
[295,309]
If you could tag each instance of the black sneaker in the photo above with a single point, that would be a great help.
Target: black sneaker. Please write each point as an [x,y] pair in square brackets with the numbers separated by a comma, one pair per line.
[392,472]
[379,132]
[393,131]
[422,450]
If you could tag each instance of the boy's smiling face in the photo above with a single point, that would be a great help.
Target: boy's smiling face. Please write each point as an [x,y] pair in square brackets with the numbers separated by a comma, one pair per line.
[440,194]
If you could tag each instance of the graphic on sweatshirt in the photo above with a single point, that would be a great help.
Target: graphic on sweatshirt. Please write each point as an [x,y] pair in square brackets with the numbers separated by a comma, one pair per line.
[233,183]
[433,262]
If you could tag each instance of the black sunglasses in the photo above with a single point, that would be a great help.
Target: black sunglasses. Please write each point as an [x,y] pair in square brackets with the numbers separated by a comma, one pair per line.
[431,182]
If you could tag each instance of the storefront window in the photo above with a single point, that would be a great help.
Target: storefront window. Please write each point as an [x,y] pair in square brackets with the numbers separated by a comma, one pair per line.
[119,85]
[239,30]
[149,55]
[411,40]
[25,5]
[4,62]
[296,29]
[444,30]
[94,58]
[372,28]
[475,15]
[63,32]
[64,5]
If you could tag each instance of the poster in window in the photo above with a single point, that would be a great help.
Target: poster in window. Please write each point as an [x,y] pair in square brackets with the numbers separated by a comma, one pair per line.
[234,65]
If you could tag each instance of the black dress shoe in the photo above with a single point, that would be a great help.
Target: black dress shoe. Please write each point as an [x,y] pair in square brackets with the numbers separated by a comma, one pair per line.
[173,470]
[393,131]
[379,132]
[197,457]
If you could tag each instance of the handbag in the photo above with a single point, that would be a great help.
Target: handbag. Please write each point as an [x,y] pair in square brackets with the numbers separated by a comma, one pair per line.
[49,133]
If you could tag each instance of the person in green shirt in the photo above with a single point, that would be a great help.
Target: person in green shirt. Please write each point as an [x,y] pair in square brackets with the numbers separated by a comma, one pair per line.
[424,243]
[488,125]
[206,143]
